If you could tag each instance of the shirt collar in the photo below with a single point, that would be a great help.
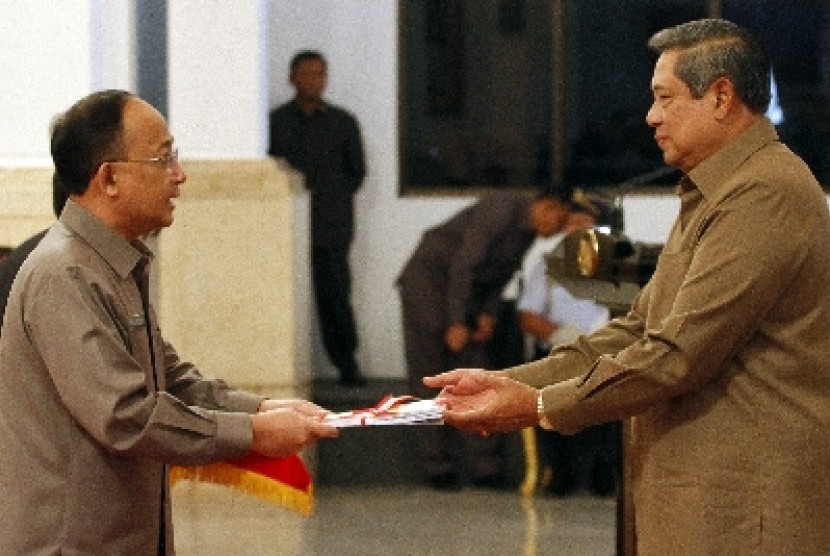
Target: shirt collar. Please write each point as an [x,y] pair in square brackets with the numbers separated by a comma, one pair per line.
[120,254]
[708,175]
[321,108]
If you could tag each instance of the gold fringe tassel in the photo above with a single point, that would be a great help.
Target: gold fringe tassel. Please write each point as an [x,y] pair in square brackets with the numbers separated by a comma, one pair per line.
[249,482]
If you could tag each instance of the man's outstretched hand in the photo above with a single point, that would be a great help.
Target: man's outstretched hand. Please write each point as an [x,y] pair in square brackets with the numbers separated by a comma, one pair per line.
[482,401]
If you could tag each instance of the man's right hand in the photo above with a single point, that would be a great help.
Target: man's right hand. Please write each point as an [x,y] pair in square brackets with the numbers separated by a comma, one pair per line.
[484,402]
[282,432]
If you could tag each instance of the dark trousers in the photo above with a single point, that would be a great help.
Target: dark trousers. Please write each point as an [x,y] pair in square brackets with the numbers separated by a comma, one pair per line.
[592,455]
[443,449]
[332,292]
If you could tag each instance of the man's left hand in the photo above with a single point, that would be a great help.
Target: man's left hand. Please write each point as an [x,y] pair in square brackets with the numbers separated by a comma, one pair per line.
[302,407]
[485,327]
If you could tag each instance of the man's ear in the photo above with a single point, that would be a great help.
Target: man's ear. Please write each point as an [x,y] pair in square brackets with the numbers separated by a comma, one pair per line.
[105,179]
[722,91]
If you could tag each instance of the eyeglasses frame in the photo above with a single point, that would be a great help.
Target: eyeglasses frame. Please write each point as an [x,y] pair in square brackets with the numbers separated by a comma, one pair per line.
[168,160]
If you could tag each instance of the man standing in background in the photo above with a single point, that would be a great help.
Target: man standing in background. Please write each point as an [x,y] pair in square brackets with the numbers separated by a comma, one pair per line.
[323,142]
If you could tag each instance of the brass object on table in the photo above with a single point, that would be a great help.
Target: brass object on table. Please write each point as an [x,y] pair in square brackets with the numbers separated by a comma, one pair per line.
[605,267]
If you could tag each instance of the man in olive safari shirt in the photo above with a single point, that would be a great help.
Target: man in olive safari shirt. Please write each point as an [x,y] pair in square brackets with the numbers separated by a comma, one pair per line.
[723,362]
[93,402]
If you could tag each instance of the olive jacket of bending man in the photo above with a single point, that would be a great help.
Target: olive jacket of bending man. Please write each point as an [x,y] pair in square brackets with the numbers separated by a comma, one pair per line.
[722,362]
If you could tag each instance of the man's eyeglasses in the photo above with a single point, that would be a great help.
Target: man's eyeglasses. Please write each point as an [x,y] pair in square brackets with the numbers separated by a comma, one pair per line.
[169,161]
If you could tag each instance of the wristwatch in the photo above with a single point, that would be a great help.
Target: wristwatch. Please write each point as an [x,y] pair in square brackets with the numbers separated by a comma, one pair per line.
[540,412]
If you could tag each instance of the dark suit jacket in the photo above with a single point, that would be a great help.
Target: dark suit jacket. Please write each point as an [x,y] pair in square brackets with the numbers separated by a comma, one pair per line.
[327,149]
[9,267]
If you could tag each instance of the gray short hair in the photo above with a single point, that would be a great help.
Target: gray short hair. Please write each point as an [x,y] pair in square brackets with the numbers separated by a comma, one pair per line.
[715,48]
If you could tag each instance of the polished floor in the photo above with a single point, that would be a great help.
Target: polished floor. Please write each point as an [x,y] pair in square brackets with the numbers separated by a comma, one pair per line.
[405,520]
[369,501]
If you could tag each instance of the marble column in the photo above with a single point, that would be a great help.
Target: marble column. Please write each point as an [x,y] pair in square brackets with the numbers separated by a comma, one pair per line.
[232,283]
[229,275]
[233,279]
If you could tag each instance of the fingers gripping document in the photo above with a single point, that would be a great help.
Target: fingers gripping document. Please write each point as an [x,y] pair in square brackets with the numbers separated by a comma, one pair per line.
[391,410]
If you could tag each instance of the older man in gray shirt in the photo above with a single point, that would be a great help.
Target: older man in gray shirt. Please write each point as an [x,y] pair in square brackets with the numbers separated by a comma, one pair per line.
[94,403]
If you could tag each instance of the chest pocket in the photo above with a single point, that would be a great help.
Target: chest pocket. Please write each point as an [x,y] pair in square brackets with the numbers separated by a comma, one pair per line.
[668,277]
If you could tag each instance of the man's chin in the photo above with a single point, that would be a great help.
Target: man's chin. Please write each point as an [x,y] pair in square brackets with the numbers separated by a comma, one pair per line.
[671,159]
[163,223]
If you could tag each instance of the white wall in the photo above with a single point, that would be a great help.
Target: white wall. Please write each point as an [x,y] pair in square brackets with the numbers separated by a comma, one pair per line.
[52,54]
[217,68]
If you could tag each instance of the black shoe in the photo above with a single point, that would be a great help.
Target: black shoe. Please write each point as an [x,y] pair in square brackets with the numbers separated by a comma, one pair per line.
[496,481]
[563,483]
[603,480]
[352,381]
[445,481]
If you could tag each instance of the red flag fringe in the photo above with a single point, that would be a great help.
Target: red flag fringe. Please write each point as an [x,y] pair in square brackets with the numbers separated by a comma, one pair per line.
[284,481]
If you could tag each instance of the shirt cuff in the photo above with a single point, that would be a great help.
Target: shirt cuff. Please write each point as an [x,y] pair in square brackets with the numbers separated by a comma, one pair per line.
[234,435]
[243,402]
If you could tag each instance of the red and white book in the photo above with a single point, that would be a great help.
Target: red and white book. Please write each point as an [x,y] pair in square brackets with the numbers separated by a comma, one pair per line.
[391,410]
